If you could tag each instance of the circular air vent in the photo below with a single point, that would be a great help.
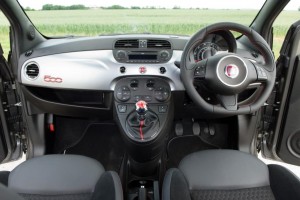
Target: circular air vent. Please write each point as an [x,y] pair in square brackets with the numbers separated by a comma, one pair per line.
[32,70]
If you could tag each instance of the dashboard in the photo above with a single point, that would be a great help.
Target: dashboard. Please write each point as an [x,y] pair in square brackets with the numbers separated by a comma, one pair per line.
[115,57]
[99,69]
[83,73]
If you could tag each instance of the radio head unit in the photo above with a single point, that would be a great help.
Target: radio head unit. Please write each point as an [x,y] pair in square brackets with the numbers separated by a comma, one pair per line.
[127,56]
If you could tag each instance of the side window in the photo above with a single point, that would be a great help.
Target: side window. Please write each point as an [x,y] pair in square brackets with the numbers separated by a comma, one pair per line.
[283,22]
[4,34]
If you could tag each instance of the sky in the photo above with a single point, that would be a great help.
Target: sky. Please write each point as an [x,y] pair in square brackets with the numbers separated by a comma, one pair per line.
[217,4]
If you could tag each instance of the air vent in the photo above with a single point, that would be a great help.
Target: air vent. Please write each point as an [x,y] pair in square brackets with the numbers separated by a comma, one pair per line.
[123,44]
[32,70]
[159,44]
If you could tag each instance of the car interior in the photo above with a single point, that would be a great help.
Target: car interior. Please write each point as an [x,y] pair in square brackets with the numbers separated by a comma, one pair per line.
[150,116]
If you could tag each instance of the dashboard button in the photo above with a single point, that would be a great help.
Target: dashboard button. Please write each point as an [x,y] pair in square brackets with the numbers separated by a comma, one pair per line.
[150,84]
[162,70]
[200,72]
[122,69]
[162,109]
[261,74]
[148,98]
[134,84]
[125,98]
[122,108]
[137,98]
[119,93]
[125,93]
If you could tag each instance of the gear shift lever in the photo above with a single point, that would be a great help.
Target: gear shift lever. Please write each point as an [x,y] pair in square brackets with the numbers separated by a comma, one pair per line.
[142,124]
[141,110]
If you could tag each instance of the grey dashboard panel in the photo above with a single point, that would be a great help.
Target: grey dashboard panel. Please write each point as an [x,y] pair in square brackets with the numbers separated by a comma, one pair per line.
[87,63]
[102,42]
[94,70]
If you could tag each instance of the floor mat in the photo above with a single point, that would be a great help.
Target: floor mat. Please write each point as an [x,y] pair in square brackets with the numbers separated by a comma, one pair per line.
[68,131]
[179,147]
[103,142]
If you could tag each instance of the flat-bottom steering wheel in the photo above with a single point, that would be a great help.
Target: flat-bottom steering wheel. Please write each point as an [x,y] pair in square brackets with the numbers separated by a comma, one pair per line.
[228,74]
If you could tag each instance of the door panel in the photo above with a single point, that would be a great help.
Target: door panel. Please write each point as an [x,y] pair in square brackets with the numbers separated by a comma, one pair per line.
[288,145]
[11,126]
[3,146]
[281,140]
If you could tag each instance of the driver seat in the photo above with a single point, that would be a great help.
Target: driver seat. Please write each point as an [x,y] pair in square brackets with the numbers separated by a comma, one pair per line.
[227,175]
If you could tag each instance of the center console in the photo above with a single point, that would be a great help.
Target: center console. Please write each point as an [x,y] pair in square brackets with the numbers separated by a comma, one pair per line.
[143,110]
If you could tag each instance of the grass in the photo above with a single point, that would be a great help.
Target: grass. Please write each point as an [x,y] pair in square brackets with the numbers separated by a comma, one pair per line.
[158,16]
[182,22]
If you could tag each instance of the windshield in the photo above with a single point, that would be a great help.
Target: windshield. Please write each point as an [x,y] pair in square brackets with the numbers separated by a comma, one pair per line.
[93,17]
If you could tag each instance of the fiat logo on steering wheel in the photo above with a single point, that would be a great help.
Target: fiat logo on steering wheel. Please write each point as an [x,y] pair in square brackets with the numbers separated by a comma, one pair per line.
[231,71]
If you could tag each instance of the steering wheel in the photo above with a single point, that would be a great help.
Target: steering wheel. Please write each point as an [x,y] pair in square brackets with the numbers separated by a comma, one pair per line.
[228,74]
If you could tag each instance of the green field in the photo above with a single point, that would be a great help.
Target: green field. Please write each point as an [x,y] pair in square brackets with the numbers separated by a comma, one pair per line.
[179,21]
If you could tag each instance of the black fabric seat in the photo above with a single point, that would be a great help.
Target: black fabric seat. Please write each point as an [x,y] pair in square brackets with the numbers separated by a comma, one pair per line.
[228,175]
[64,177]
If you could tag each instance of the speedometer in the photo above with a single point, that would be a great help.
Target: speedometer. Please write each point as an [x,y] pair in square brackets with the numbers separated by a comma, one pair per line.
[205,50]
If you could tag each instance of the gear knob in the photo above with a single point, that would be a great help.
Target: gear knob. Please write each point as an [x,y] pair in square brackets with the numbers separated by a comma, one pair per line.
[141,109]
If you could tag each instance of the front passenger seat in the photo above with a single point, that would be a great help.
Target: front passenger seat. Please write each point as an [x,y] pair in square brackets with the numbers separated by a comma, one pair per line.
[64,177]
[229,175]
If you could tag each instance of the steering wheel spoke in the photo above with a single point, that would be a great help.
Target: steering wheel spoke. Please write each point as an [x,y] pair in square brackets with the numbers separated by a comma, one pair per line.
[229,102]
[200,69]
[262,74]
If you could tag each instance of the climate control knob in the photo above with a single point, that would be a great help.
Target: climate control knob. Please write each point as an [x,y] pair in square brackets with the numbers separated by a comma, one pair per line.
[161,94]
[123,93]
